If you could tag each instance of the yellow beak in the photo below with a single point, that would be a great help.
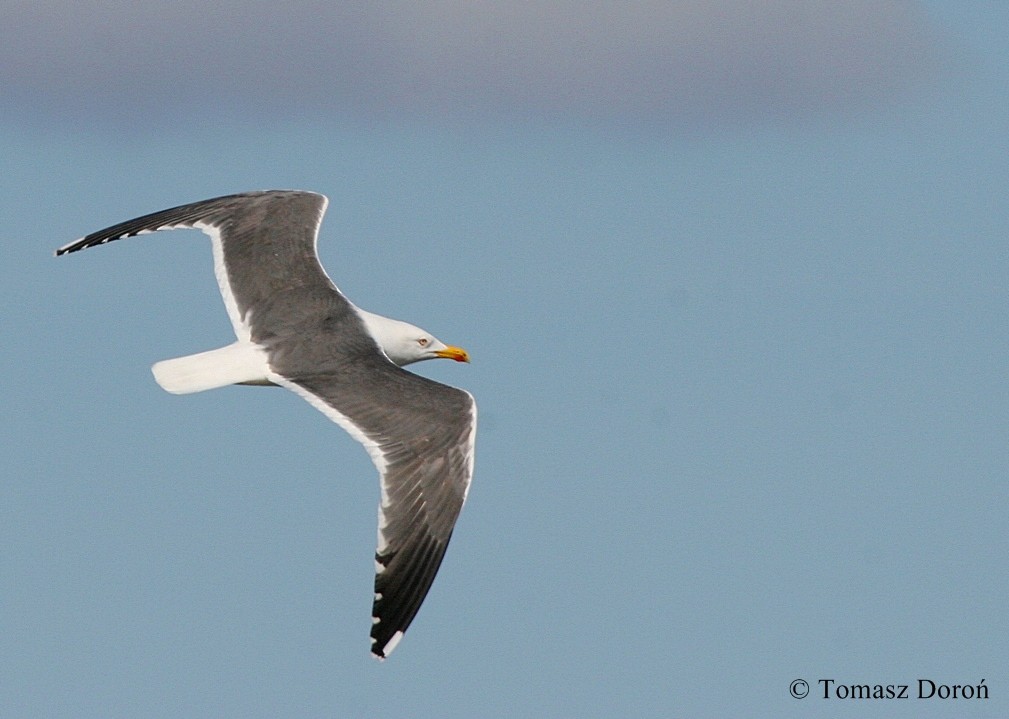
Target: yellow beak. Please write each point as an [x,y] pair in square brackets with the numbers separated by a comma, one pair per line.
[456,353]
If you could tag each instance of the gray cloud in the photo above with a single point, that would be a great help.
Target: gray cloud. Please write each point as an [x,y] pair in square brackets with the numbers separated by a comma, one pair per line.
[652,61]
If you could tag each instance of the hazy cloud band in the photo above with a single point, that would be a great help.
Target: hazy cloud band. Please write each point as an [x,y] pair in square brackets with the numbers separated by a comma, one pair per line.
[618,61]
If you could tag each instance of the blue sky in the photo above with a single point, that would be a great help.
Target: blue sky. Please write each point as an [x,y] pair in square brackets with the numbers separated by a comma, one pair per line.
[734,283]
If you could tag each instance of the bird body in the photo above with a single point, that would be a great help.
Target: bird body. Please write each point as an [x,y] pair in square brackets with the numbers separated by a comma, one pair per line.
[295,329]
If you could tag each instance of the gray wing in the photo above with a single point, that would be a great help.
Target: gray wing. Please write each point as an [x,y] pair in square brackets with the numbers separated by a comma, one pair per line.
[420,434]
[264,245]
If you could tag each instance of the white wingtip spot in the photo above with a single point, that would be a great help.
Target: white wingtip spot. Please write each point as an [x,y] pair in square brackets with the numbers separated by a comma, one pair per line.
[382,544]
[392,643]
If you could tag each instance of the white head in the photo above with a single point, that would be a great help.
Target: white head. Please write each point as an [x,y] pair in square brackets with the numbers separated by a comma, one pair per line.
[404,343]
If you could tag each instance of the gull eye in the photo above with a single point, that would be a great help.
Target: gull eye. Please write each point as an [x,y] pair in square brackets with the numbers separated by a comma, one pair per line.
[423,341]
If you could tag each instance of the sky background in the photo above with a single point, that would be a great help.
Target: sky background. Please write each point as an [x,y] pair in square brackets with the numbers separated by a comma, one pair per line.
[734,280]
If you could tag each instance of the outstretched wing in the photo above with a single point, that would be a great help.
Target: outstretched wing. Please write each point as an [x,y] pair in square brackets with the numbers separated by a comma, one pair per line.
[420,435]
[264,243]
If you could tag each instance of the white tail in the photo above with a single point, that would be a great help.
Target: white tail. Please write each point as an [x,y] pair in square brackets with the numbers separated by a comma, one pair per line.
[238,363]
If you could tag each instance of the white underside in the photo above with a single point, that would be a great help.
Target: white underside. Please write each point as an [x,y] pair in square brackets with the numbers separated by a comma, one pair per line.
[238,363]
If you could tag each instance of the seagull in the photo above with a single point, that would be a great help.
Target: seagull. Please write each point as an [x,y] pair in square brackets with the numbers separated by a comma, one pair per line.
[295,329]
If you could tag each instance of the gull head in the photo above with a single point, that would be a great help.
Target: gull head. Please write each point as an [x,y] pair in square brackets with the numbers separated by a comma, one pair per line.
[404,343]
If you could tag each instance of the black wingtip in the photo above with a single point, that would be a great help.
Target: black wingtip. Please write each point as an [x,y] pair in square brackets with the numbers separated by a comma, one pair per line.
[72,247]
[389,643]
